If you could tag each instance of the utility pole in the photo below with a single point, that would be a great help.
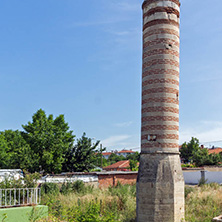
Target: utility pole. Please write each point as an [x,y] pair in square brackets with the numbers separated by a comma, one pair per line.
[101,151]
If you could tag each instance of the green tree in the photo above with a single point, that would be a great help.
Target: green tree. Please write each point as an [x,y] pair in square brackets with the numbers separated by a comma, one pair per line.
[82,157]
[191,152]
[202,157]
[49,140]
[19,152]
[113,158]
[4,153]
[133,165]
[134,156]
[188,149]
[100,160]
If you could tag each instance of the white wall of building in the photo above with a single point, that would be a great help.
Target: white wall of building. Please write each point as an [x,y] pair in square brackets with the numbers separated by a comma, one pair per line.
[193,177]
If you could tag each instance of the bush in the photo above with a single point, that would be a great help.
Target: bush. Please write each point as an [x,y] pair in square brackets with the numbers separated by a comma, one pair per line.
[188,190]
[50,188]
[30,179]
[66,188]
[79,186]
[202,182]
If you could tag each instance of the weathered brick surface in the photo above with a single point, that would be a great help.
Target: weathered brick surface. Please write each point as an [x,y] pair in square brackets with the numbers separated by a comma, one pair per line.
[168,10]
[151,72]
[158,118]
[146,2]
[160,52]
[160,186]
[162,100]
[160,21]
[160,41]
[160,31]
[161,81]
[165,136]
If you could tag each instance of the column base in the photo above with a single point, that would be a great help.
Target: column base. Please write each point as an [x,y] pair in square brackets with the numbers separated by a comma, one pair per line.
[160,188]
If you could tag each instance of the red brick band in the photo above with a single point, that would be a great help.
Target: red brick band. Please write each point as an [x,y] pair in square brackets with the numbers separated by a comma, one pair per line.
[168,10]
[160,118]
[161,81]
[159,127]
[165,136]
[160,109]
[160,21]
[161,31]
[160,52]
[160,72]
[160,90]
[161,100]
[161,61]
[160,42]
[157,145]
[147,2]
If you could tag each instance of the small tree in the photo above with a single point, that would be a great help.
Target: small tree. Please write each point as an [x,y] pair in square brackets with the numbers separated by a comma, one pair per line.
[188,149]
[133,165]
[133,156]
[191,152]
[81,157]
[113,158]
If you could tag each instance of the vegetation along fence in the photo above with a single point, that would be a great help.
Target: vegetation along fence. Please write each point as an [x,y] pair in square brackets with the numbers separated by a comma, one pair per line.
[15,197]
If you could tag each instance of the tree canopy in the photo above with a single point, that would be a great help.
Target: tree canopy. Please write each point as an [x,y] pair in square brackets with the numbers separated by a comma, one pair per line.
[192,153]
[81,157]
[49,140]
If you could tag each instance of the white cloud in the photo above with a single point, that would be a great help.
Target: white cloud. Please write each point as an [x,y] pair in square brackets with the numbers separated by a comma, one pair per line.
[124,124]
[116,141]
[128,7]
[96,23]
[208,132]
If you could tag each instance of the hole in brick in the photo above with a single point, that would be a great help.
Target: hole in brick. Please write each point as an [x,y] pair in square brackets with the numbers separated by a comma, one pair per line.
[168,46]
[151,138]
[177,96]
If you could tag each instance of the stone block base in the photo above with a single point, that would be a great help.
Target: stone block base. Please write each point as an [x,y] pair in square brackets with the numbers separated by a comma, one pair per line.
[160,188]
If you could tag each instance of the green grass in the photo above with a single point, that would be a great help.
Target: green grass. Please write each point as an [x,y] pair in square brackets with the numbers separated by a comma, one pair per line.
[78,203]
[204,203]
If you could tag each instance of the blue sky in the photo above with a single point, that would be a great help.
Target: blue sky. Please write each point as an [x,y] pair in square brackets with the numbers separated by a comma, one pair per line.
[83,59]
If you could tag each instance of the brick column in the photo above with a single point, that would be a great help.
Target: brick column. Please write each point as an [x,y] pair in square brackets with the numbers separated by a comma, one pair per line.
[160,185]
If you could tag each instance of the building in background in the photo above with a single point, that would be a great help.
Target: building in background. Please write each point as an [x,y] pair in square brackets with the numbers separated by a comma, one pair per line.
[123,153]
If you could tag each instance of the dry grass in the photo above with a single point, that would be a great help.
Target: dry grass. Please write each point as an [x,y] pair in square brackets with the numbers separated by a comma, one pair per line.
[119,204]
[204,203]
[114,204]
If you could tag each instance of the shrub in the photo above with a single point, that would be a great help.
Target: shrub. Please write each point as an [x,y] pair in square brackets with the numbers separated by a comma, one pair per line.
[188,190]
[50,188]
[30,179]
[78,186]
[202,182]
[66,188]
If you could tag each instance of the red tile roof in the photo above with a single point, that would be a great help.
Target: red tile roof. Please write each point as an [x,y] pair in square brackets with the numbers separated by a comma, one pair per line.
[124,164]
[215,150]
[107,153]
[126,151]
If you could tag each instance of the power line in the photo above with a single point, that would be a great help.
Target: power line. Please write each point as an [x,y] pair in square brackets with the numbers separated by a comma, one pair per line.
[212,142]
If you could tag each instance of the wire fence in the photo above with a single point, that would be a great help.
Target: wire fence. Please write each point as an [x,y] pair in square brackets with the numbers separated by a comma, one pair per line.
[14,197]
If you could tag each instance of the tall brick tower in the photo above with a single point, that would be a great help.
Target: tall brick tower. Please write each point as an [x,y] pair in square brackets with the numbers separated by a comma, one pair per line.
[160,184]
